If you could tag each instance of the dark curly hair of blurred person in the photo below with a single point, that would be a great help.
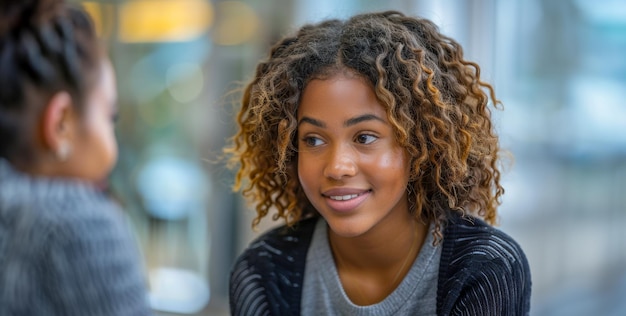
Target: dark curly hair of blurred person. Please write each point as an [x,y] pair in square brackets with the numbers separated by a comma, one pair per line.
[434,99]
[46,46]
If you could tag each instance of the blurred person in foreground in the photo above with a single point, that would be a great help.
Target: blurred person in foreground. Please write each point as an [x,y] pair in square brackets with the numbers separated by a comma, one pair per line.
[372,138]
[65,247]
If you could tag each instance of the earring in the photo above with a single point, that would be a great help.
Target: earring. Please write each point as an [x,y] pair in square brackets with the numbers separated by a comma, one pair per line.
[63,151]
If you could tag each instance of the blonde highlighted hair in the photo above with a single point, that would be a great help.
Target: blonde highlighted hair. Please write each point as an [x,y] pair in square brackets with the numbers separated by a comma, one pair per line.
[435,101]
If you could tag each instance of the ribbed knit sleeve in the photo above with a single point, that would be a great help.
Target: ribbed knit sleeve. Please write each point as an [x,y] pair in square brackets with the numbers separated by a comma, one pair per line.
[483,272]
[267,278]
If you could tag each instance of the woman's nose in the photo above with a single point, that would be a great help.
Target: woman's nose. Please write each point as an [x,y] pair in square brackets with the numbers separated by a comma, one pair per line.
[341,163]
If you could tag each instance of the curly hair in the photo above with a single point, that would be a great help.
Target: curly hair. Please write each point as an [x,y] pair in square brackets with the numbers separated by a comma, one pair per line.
[45,46]
[434,99]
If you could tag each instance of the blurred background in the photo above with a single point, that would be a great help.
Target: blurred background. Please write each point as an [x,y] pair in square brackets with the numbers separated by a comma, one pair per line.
[559,68]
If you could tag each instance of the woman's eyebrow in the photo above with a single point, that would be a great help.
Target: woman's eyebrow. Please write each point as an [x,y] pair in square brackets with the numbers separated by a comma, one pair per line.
[312,121]
[347,123]
[362,118]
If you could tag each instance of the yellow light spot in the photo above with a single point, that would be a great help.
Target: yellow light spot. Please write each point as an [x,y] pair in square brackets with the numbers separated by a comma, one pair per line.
[164,20]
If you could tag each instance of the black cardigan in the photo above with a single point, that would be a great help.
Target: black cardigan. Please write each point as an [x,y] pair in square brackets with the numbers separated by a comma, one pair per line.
[482,271]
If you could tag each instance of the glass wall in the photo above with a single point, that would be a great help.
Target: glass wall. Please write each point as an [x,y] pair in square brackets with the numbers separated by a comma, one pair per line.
[558,67]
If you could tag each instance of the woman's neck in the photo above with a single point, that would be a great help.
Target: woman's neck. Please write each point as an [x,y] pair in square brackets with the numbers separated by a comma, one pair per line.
[379,247]
[372,265]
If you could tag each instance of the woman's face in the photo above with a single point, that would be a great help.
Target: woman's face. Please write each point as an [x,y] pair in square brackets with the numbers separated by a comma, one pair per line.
[94,150]
[349,163]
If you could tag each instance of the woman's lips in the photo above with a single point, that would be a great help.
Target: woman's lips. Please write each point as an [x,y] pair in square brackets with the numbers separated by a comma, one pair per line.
[345,200]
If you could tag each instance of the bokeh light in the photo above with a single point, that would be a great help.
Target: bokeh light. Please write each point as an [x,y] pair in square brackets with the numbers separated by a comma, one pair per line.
[185,81]
[164,20]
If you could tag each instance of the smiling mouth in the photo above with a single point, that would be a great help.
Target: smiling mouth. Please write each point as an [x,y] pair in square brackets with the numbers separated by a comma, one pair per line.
[346,197]
[343,197]
[346,202]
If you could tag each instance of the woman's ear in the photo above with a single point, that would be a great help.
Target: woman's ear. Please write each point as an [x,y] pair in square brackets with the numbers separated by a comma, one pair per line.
[57,125]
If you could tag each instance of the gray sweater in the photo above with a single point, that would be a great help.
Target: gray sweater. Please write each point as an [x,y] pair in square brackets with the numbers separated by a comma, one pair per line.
[482,271]
[65,249]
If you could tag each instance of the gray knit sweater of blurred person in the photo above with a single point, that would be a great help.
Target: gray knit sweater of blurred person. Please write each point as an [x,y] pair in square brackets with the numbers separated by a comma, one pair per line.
[65,249]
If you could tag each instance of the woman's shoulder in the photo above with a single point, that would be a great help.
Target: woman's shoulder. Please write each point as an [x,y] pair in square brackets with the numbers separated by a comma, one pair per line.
[283,243]
[22,190]
[267,277]
[465,235]
[482,269]
[41,206]
[75,210]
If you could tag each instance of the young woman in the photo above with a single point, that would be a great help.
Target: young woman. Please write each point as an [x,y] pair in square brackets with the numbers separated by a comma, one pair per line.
[65,248]
[372,139]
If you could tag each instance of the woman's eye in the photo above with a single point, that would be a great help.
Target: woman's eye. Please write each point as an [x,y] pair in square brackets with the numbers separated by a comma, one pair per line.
[312,141]
[365,139]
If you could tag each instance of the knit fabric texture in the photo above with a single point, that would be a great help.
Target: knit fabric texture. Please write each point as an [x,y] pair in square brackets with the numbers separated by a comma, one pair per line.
[482,271]
[65,249]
